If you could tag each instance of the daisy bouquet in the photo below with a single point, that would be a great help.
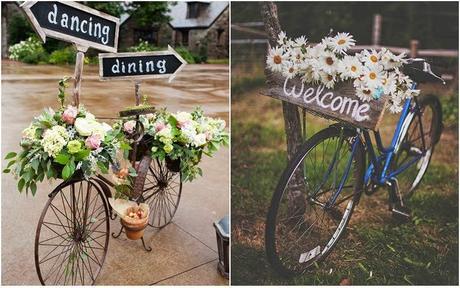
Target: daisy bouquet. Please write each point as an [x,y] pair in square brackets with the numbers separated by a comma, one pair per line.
[181,137]
[372,73]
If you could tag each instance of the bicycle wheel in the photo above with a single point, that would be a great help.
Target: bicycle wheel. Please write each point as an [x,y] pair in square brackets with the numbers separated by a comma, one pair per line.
[430,122]
[300,228]
[72,235]
[162,190]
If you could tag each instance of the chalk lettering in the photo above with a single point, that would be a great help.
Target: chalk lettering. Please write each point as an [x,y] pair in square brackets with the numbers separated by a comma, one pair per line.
[53,15]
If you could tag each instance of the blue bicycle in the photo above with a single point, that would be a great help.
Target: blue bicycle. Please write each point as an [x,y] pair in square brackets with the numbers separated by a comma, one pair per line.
[320,187]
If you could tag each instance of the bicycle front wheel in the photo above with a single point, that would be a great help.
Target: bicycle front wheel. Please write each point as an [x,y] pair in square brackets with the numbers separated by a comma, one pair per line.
[314,200]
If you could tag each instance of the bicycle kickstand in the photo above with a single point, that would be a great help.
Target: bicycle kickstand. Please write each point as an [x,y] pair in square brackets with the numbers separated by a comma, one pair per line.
[396,203]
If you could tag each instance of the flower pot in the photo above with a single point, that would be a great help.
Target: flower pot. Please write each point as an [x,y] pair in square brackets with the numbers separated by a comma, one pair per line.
[135,231]
[173,165]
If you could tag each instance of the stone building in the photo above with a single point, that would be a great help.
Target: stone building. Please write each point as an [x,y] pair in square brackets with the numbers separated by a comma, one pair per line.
[201,26]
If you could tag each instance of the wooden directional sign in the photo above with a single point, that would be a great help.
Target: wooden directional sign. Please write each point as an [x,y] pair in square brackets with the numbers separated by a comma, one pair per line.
[73,22]
[140,65]
[340,104]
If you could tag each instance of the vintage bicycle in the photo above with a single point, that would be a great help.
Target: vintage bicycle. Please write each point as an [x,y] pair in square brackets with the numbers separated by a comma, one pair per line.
[323,183]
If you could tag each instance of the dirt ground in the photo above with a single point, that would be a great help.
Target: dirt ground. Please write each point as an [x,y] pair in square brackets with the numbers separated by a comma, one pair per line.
[185,251]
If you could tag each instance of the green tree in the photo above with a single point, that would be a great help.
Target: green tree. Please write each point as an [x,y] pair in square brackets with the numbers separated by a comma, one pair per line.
[149,14]
[114,8]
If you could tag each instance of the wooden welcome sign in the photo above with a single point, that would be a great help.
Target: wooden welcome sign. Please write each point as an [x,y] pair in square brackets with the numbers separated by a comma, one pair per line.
[340,104]
[140,65]
[73,22]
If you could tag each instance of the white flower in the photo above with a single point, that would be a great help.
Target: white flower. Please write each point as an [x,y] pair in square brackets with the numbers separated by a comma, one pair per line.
[395,105]
[409,93]
[289,70]
[342,42]
[54,140]
[301,41]
[350,67]
[88,126]
[296,56]
[183,117]
[391,61]
[326,42]
[29,132]
[372,76]
[281,37]
[276,59]
[370,58]
[307,77]
[199,140]
[364,93]
[165,134]
[329,62]
[389,83]
[328,80]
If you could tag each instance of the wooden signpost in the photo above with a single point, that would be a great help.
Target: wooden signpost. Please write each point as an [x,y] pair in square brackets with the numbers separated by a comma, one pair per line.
[340,103]
[75,23]
[140,65]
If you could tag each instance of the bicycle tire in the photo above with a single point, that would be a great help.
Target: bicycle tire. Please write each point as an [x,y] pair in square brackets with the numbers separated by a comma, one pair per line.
[273,256]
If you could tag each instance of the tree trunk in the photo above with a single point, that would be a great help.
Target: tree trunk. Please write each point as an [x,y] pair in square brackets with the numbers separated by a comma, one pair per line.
[290,113]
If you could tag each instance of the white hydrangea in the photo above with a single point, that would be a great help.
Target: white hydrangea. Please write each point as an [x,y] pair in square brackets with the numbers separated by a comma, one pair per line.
[54,140]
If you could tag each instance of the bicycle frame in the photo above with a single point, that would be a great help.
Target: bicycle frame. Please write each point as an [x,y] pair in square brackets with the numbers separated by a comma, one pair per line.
[382,174]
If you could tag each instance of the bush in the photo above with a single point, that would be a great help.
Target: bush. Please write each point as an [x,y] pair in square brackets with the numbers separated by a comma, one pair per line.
[143,46]
[187,55]
[63,56]
[29,51]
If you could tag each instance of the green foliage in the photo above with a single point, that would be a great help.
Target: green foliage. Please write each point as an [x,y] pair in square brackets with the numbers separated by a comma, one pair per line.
[62,86]
[450,109]
[148,14]
[142,46]
[19,29]
[29,51]
[113,8]
[187,55]
[66,55]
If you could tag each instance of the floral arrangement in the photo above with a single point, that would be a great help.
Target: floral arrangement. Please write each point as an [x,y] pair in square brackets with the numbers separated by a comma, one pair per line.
[181,136]
[373,73]
[59,144]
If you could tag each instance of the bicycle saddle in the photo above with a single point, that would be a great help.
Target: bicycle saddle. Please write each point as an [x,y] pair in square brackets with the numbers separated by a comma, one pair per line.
[419,70]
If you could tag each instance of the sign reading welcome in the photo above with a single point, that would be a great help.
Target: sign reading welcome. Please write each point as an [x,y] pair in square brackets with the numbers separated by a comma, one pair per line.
[339,104]
[140,65]
[73,22]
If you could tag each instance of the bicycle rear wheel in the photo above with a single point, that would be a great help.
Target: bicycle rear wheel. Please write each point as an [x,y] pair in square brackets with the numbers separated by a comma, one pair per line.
[301,228]
[428,119]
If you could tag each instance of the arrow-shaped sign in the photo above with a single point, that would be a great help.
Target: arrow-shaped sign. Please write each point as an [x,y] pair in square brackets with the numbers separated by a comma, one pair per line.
[140,65]
[73,22]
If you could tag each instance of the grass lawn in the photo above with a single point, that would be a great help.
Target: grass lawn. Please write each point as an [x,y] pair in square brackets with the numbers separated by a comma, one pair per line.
[376,250]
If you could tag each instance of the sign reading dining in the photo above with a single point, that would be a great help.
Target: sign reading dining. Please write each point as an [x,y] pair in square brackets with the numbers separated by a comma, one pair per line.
[73,22]
[140,65]
[340,103]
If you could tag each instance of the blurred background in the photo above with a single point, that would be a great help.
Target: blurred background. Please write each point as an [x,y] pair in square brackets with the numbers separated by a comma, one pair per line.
[375,250]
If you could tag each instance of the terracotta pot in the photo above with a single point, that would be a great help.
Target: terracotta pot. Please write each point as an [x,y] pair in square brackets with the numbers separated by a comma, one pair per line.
[135,231]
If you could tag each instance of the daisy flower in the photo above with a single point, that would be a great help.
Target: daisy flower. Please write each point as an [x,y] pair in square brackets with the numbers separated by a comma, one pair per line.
[342,42]
[329,62]
[276,59]
[350,67]
[301,41]
[327,42]
[297,56]
[307,76]
[289,70]
[372,76]
[370,58]
[390,60]
[328,80]
[389,83]
[394,105]
[409,93]
[281,37]
[364,93]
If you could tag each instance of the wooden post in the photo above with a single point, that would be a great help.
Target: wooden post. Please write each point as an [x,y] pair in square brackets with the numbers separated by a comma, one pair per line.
[413,48]
[292,124]
[376,29]
[78,73]
[137,85]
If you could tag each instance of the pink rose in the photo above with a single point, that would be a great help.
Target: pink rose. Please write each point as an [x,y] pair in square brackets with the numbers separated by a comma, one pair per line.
[129,126]
[69,114]
[93,142]
[159,126]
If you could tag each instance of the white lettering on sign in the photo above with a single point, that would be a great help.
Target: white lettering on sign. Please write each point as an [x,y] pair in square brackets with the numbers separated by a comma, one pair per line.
[85,26]
[336,103]
[133,67]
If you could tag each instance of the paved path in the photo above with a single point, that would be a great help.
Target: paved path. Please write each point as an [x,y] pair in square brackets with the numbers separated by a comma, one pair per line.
[184,252]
